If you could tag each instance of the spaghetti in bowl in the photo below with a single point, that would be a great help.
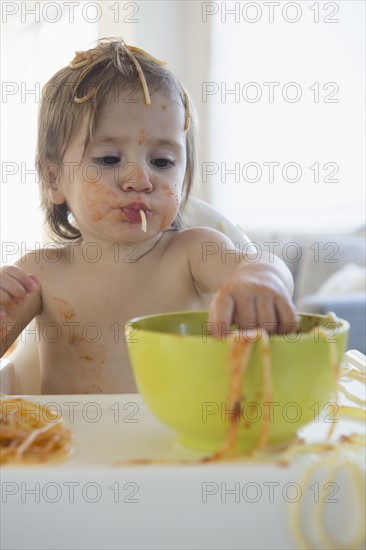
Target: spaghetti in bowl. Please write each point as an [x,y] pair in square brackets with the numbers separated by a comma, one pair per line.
[247,389]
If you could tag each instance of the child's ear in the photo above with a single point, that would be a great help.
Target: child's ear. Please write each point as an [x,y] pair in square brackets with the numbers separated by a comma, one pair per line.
[53,179]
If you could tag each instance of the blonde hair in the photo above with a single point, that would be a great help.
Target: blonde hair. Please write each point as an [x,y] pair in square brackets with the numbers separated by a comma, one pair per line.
[77,92]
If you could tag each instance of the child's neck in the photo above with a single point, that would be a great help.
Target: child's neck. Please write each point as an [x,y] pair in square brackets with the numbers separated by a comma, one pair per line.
[106,253]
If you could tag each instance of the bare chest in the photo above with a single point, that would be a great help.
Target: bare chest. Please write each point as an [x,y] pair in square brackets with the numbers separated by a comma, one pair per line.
[96,297]
[84,319]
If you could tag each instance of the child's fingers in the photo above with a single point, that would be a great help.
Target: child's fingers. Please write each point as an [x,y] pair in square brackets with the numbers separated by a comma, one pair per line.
[34,278]
[221,313]
[274,313]
[7,303]
[266,315]
[245,313]
[12,290]
[15,284]
[29,282]
[287,316]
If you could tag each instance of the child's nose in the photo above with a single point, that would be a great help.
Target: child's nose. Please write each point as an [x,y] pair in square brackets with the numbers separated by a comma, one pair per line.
[135,178]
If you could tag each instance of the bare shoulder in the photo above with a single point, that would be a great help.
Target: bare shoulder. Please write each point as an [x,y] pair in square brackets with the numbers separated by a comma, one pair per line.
[199,243]
[202,235]
[38,260]
[202,249]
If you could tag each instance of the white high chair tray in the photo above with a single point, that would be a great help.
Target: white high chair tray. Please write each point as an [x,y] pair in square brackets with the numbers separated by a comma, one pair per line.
[92,501]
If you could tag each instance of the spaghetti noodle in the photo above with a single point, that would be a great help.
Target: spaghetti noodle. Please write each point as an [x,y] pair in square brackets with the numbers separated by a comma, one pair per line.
[143,221]
[240,352]
[241,347]
[348,455]
[31,433]
[338,459]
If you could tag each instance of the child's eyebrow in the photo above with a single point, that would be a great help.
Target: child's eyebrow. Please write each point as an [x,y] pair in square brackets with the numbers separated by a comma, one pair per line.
[123,140]
[109,139]
[170,142]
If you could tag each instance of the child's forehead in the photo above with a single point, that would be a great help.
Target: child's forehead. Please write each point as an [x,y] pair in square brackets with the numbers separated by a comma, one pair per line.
[164,111]
[135,100]
[125,120]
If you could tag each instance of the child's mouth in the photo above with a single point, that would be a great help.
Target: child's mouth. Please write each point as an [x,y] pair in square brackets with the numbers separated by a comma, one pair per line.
[132,212]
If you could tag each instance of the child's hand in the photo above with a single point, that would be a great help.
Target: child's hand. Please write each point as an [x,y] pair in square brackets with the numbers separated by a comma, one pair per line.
[15,289]
[251,297]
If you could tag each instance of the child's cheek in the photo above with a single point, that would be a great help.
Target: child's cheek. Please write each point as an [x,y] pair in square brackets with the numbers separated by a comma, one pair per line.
[99,199]
[172,203]
[171,191]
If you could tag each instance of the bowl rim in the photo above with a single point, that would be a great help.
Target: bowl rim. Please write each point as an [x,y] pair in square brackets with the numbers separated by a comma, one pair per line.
[343,324]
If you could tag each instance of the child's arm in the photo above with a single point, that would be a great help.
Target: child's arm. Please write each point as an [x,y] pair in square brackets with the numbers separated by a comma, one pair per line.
[251,289]
[20,301]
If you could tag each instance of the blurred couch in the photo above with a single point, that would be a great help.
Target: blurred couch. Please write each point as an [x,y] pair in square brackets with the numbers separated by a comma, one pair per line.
[329,274]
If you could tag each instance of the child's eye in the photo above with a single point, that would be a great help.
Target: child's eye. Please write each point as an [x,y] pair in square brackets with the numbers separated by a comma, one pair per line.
[162,163]
[107,161]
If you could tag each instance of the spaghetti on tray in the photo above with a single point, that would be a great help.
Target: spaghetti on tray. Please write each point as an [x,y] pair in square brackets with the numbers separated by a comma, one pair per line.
[31,433]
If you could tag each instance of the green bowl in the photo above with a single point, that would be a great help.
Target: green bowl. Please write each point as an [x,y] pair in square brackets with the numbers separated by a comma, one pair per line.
[183,375]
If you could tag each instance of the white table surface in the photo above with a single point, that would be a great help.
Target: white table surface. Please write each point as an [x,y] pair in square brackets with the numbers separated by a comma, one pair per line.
[92,501]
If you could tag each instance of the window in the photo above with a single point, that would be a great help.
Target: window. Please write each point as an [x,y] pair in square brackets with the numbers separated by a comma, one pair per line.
[286,107]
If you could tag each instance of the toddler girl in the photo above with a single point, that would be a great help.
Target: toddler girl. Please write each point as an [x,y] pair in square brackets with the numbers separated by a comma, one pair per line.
[116,159]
